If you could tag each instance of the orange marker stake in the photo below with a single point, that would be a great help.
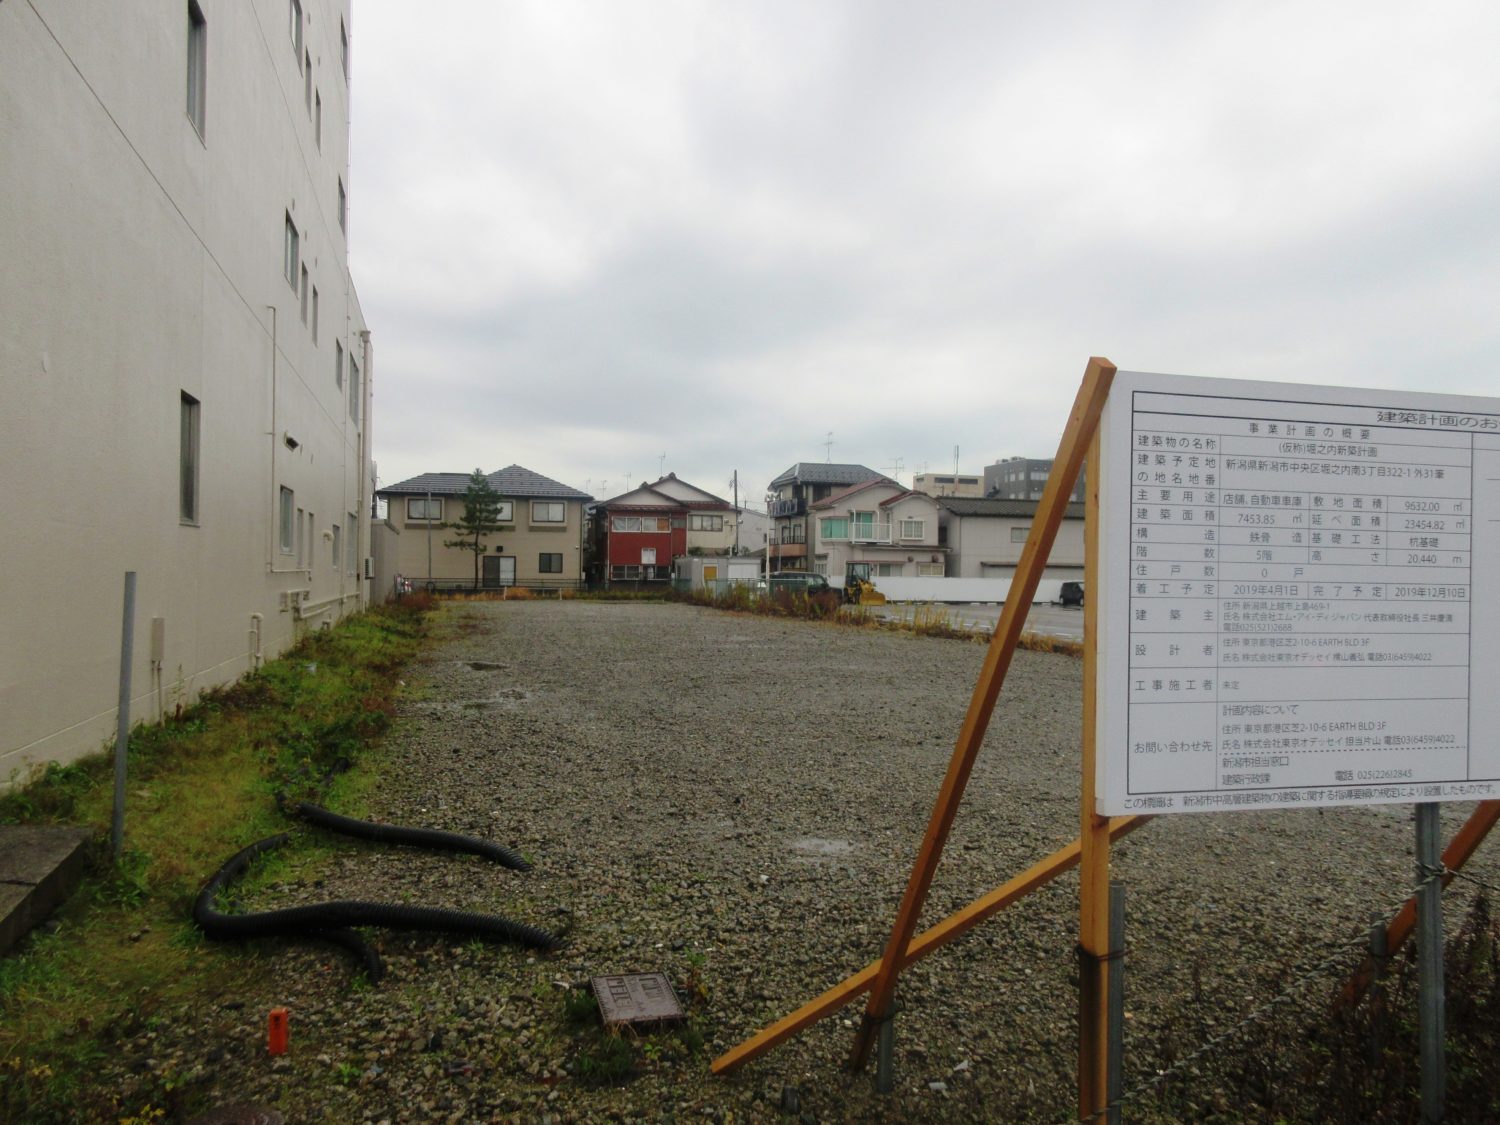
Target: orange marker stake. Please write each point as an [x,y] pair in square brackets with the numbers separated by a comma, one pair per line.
[276,1031]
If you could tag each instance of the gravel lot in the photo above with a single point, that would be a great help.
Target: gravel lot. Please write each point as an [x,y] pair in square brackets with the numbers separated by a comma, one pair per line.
[737,801]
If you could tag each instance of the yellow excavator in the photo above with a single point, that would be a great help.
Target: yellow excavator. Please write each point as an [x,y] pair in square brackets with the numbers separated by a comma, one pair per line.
[859,585]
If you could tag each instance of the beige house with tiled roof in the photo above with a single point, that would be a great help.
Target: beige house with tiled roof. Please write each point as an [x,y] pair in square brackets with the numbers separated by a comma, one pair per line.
[540,543]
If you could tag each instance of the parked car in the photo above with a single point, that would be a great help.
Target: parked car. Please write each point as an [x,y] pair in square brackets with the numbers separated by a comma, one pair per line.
[1072,593]
[798,581]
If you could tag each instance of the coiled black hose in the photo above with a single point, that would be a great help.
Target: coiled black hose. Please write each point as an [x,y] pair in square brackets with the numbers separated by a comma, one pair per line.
[334,916]
[417,837]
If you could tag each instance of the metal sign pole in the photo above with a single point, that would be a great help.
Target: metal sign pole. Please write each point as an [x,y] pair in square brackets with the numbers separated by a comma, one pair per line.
[1430,960]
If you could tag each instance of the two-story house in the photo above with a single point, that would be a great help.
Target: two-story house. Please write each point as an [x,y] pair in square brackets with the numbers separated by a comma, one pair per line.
[985,537]
[539,543]
[789,497]
[637,534]
[890,529]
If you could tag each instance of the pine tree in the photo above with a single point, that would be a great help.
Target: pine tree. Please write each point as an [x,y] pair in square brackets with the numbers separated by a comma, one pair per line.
[481,518]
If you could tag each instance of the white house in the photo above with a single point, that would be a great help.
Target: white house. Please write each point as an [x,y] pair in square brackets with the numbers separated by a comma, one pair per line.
[184,367]
[893,529]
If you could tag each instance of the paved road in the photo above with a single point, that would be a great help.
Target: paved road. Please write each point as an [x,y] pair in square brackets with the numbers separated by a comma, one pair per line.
[1051,620]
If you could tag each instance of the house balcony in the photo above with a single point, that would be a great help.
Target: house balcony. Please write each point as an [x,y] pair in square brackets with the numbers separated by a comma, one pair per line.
[780,509]
[788,551]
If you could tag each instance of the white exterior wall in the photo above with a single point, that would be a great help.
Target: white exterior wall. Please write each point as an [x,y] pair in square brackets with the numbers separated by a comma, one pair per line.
[142,262]
[982,547]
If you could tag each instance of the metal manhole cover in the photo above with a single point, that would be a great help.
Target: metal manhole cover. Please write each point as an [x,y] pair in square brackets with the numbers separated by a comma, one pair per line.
[636,998]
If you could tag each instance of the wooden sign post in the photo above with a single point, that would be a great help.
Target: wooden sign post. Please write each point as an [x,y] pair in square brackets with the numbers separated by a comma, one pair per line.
[905,946]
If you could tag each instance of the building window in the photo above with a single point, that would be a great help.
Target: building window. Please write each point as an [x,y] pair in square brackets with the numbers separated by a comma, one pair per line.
[1019,534]
[549,563]
[285,520]
[343,207]
[863,525]
[421,508]
[197,68]
[705,523]
[291,253]
[304,294]
[338,364]
[295,28]
[548,511]
[318,119]
[836,528]
[505,511]
[312,539]
[315,314]
[344,50]
[912,529]
[929,570]
[624,573]
[188,460]
[625,523]
[353,390]
[307,81]
[351,543]
[338,551]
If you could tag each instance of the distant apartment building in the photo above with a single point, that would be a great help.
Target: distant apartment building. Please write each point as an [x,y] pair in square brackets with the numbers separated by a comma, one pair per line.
[791,494]
[1022,478]
[538,543]
[984,538]
[948,484]
[185,366]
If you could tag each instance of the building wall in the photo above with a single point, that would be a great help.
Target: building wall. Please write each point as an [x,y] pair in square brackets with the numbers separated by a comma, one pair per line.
[948,484]
[522,540]
[991,546]
[144,262]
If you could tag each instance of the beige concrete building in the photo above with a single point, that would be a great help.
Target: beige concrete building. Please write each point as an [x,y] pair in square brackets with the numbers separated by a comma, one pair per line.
[184,368]
[539,544]
[948,484]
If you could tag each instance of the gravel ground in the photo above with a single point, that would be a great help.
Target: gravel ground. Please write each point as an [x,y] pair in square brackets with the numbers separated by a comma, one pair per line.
[737,802]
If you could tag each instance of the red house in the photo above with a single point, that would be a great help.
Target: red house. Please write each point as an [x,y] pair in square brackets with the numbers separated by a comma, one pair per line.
[638,534]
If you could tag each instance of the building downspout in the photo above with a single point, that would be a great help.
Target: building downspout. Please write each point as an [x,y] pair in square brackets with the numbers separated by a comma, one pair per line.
[365,524]
[275,494]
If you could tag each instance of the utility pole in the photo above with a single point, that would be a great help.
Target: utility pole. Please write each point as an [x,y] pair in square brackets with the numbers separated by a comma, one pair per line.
[736,511]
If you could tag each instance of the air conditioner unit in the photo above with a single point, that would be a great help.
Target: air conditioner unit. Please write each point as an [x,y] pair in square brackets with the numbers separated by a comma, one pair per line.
[369,567]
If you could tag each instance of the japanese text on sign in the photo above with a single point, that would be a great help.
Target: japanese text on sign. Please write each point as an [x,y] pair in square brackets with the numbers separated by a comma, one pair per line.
[1299,601]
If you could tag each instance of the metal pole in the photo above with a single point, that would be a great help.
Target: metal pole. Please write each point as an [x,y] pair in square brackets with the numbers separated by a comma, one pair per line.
[885,1068]
[1430,1019]
[122,726]
[1115,1060]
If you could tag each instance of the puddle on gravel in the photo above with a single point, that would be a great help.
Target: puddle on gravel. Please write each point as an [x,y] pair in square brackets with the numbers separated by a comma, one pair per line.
[819,847]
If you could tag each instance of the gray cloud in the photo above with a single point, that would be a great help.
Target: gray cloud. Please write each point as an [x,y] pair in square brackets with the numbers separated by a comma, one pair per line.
[588,233]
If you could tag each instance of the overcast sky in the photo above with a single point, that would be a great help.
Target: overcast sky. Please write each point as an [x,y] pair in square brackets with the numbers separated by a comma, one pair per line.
[587,235]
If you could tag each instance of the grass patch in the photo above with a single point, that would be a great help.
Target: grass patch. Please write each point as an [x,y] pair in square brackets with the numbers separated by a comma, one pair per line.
[199,788]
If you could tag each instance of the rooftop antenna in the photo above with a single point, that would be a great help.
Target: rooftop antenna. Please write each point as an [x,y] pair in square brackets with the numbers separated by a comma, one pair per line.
[828,447]
[661,466]
[955,460]
[895,467]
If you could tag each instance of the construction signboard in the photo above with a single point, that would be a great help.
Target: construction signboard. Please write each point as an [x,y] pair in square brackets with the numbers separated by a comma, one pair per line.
[1299,596]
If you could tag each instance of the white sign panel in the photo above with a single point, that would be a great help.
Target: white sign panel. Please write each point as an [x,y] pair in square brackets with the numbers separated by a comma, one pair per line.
[1300,600]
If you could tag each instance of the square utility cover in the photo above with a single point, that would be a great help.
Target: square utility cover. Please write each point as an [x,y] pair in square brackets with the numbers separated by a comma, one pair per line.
[636,998]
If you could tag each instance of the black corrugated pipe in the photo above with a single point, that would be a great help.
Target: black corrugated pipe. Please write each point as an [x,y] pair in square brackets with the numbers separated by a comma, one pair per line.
[417,837]
[318,918]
